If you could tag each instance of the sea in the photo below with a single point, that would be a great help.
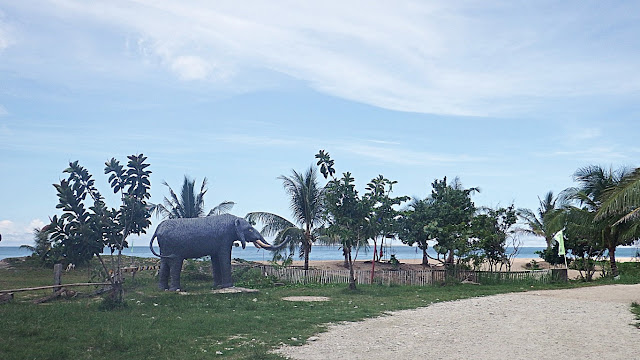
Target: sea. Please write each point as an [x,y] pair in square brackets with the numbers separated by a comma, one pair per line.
[318,252]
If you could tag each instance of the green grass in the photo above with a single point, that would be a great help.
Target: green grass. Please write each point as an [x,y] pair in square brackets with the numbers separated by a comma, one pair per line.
[635,308]
[166,325]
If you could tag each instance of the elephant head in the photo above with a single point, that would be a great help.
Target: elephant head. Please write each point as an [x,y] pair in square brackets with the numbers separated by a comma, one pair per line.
[246,232]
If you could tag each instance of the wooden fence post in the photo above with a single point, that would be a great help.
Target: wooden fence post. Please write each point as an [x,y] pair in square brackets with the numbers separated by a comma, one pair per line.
[57,276]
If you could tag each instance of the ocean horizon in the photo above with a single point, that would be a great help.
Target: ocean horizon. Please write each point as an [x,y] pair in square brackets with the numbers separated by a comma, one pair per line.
[318,252]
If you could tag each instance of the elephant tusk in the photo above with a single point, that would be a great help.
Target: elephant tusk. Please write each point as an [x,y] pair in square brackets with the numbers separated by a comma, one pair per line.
[262,244]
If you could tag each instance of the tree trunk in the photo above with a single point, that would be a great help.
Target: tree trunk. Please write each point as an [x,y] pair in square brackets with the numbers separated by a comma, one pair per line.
[450,257]
[346,252]
[307,250]
[373,263]
[352,278]
[612,260]
[425,258]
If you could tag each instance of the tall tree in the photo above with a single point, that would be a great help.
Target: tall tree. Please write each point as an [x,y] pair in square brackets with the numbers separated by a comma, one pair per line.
[537,223]
[412,226]
[452,213]
[86,225]
[189,204]
[307,207]
[595,182]
[347,214]
[491,228]
[623,199]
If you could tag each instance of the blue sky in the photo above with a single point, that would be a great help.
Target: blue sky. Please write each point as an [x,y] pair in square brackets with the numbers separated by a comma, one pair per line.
[511,96]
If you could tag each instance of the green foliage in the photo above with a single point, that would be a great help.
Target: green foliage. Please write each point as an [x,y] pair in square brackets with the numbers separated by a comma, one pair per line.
[86,225]
[550,255]
[635,308]
[43,249]
[451,212]
[382,218]
[539,223]
[241,326]
[279,261]
[197,269]
[307,208]
[252,277]
[189,204]
[491,230]
[532,265]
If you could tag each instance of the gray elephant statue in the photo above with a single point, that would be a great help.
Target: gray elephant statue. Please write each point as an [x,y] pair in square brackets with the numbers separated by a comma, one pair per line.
[214,236]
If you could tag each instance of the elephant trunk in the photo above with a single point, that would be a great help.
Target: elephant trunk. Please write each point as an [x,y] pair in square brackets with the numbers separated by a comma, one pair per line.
[263,244]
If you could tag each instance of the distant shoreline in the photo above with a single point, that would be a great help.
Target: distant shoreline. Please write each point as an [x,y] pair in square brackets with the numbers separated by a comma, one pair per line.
[320,253]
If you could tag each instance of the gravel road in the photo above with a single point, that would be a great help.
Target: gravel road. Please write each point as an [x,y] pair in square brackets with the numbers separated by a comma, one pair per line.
[551,324]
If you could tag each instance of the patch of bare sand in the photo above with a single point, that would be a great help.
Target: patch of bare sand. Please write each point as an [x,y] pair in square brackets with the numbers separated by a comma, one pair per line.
[543,325]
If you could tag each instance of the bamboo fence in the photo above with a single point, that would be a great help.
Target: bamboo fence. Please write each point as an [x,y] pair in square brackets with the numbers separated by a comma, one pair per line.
[397,277]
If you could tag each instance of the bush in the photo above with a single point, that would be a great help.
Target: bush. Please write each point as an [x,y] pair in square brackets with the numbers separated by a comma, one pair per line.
[197,270]
[247,276]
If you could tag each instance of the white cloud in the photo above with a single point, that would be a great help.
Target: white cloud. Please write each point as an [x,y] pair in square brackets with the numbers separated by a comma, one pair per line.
[14,234]
[3,111]
[434,57]
[191,67]
[585,134]
[404,156]
[6,33]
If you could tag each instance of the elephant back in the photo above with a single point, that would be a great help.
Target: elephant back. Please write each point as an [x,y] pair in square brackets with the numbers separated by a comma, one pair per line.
[195,237]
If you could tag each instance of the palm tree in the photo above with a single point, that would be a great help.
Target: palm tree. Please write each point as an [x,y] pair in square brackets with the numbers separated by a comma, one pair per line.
[307,208]
[595,183]
[190,204]
[538,223]
[623,199]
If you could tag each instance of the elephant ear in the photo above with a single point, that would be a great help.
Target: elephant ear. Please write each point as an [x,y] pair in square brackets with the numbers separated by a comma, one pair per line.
[240,234]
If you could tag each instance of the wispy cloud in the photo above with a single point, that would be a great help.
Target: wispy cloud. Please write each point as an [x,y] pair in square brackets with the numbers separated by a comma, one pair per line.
[404,156]
[7,38]
[14,234]
[585,134]
[432,57]
[3,111]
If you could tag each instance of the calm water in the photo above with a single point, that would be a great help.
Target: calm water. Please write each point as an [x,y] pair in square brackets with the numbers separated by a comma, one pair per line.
[318,252]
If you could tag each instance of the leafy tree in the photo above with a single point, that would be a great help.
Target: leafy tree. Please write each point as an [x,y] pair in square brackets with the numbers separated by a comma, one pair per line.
[491,228]
[307,207]
[595,183]
[412,226]
[382,218]
[189,204]
[346,213]
[86,225]
[451,211]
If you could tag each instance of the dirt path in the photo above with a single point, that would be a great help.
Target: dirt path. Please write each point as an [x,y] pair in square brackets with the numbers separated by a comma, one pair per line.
[553,324]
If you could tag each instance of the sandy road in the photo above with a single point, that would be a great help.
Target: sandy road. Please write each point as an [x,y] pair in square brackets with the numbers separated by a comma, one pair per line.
[552,324]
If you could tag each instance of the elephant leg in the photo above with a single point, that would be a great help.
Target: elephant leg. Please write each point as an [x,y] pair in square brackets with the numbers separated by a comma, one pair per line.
[215,270]
[176,269]
[224,263]
[163,276]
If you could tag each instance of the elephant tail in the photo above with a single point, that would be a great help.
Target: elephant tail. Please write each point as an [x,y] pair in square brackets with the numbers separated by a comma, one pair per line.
[154,252]
[151,244]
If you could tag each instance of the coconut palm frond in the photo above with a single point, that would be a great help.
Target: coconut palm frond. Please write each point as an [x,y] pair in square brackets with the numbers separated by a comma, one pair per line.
[272,223]
[222,208]
[189,204]
[624,198]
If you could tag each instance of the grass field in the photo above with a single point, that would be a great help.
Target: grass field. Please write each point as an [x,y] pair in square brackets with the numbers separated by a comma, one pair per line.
[200,324]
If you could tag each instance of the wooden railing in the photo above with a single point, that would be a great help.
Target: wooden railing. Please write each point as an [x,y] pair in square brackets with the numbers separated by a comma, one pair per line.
[416,277]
